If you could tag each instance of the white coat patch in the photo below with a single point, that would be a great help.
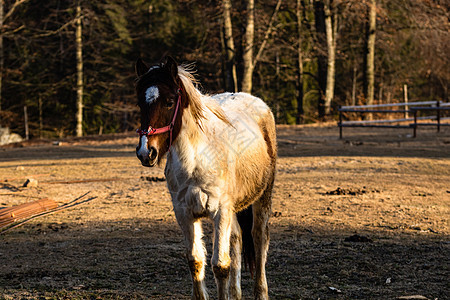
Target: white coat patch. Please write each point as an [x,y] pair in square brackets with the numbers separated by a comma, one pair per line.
[151,94]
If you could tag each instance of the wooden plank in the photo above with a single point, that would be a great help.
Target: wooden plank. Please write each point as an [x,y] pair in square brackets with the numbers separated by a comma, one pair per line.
[386,121]
[22,211]
[373,126]
[75,202]
[431,108]
[391,104]
[374,110]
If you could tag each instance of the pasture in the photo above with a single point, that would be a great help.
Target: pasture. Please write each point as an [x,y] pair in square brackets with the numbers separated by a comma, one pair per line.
[365,217]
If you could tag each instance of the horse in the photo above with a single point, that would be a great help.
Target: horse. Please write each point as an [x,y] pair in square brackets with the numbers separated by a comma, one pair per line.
[220,156]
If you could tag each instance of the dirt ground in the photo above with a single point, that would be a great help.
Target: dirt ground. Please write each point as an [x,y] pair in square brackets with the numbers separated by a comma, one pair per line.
[366,217]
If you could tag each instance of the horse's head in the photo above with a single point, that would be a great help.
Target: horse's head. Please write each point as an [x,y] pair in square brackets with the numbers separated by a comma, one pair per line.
[158,90]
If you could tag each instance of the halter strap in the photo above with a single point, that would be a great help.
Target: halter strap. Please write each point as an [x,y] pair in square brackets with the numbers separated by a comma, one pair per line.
[169,128]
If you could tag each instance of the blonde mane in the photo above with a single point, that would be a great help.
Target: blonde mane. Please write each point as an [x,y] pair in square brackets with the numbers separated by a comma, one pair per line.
[196,105]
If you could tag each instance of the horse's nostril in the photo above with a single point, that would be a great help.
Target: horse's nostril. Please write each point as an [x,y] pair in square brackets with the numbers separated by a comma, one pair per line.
[153,153]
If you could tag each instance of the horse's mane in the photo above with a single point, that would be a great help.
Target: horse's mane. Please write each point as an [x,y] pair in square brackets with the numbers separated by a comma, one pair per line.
[196,105]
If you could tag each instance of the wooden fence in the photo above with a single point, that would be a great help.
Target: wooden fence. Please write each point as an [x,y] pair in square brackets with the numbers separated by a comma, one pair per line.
[406,109]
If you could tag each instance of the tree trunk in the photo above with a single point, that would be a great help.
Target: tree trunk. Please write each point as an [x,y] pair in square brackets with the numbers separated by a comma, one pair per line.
[79,49]
[3,18]
[370,54]
[330,30]
[2,59]
[248,41]
[277,87]
[248,48]
[267,34]
[230,77]
[319,15]
[25,117]
[41,123]
[300,111]
[354,85]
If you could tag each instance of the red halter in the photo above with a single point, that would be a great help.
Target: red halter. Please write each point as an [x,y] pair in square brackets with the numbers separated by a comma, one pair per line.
[169,128]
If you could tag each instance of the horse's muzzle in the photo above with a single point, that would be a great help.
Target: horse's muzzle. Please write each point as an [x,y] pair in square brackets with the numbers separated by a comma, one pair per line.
[148,159]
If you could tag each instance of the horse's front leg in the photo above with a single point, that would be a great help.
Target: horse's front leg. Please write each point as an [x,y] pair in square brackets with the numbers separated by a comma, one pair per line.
[195,254]
[221,261]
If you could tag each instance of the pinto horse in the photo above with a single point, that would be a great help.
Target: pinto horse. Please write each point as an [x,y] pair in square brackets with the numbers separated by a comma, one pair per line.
[221,155]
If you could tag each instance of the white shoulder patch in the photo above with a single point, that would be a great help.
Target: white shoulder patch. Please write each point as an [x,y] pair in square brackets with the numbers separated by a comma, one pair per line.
[151,94]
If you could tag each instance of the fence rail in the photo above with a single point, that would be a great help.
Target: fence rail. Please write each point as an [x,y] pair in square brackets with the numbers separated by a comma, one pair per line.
[361,107]
[414,108]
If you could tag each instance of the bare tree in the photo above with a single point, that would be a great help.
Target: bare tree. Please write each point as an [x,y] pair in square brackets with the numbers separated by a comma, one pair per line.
[2,58]
[370,53]
[300,111]
[248,48]
[249,60]
[79,49]
[319,23]
[331,31]
[230,77]
[3,18]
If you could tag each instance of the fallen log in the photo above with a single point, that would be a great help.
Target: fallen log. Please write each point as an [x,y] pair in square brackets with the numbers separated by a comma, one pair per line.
[22,211]
[75,202]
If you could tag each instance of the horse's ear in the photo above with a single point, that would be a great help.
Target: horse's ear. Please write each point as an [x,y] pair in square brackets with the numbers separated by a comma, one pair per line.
[141,67]
[172,67]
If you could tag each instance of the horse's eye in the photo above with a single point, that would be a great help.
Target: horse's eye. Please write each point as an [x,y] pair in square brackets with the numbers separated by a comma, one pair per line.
[169,104]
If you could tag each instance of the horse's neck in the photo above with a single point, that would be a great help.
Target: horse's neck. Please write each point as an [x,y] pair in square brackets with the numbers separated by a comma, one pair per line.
[197,145]
[188,143]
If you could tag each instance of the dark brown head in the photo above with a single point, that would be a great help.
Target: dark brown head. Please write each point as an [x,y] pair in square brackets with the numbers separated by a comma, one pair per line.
[157,90]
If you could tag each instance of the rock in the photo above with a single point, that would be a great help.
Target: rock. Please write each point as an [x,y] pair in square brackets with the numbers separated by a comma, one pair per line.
[30,182]
[358,239]
[153,178]
[276,214]
[336,290]
[6,137]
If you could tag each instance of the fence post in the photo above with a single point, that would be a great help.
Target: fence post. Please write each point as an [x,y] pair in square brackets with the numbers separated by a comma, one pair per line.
[405,95]
[340,123]
[438,116]
[415,122]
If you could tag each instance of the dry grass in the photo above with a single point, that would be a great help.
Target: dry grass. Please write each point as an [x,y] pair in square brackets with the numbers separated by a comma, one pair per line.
[126,244]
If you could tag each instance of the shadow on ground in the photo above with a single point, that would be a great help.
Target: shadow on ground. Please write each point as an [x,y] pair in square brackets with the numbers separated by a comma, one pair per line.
[141,259]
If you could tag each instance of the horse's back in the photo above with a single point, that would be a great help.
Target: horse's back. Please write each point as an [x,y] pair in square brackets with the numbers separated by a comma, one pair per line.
[242,103]
[254,127]
[251,118]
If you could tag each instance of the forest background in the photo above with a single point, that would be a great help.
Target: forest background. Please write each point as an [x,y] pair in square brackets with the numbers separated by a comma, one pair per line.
[71,63]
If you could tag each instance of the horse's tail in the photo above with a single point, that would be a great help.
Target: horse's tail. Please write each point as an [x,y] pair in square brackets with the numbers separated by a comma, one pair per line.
[245,219]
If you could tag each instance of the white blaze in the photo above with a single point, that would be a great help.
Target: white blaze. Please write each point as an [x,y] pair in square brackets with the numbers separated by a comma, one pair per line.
[143,150]
[151,94]
[153,68]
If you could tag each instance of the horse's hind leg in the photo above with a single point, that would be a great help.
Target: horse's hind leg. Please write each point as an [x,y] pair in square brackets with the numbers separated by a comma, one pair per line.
[260,232]
[235,255]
